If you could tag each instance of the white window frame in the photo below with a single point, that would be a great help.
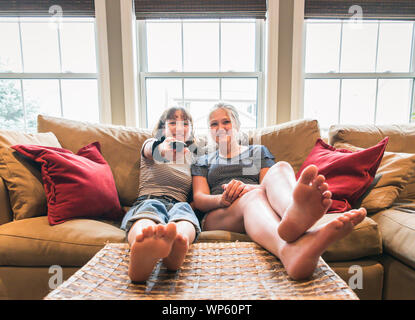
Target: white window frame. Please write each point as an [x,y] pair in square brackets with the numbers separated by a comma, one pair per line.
[143,73]
[368,75]
[21,76]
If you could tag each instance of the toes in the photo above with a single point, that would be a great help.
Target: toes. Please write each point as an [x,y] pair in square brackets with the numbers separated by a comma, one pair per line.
[358,216]
[324,187]
[308,175]
[171,231]
[327,194]
[327,203]
[148,231]
[344,218]
[181,239]
[139,237]
[160,231]
[318,181]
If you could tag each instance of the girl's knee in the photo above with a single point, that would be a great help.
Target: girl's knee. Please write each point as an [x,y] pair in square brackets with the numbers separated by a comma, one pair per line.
[282,165]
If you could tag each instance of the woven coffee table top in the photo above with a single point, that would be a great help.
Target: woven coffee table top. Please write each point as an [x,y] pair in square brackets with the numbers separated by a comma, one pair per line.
[212,270]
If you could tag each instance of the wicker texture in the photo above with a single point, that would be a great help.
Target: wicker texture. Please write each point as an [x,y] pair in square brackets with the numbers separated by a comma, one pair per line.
[219,271]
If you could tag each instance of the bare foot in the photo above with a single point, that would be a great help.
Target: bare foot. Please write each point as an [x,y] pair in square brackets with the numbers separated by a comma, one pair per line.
[154,243]
[311,200]
[178,252]
[300,258]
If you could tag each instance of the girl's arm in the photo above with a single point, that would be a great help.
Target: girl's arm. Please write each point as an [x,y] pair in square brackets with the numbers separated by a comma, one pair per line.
[202,198]
[148,149]
[164,149]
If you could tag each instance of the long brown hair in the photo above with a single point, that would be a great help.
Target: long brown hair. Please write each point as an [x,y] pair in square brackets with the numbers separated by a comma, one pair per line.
[168,114]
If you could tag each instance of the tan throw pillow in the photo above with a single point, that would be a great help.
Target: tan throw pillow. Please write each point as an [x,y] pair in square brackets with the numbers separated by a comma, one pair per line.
[120,147]
[291,141]
[395,171]
[22,176]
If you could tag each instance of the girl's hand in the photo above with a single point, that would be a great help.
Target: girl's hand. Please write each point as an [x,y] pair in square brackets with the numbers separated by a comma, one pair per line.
[248,187]
[232,190]
[166,151]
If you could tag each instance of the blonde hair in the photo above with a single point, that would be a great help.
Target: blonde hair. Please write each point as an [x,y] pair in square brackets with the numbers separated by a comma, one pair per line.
[230,110]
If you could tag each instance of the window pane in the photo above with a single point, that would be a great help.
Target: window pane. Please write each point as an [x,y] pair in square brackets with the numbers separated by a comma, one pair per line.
[78,47]
[40,96]
[11,107]
[321,101]
[394,100]
[40,47]
[242,94]
[162,94]
[200,96]
[359,47]
[164,46]
[10,58]
[358,101]
[238,46]
[80,100]
[201,47]
[322,47]
[394,47]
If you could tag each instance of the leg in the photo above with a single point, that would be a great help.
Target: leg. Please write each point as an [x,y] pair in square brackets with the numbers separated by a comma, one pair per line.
[185,236]
[229,219]
[151,243]
[149,238]
[301,256]
[187,226]
[299,204]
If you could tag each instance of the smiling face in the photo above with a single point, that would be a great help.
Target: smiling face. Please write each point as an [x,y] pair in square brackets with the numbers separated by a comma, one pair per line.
[178,126]
[221,126]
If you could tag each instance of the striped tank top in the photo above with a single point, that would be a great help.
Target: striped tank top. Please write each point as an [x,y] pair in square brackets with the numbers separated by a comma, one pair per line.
[164,179]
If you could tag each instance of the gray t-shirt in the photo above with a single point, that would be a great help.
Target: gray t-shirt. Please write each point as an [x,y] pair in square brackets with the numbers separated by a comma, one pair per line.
[244,167]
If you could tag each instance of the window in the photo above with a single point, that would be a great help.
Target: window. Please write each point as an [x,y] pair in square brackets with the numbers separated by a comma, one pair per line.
[359,72]
[195,63]
[47,67]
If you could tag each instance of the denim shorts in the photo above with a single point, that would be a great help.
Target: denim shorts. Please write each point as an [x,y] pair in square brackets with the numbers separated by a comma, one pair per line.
[160,209]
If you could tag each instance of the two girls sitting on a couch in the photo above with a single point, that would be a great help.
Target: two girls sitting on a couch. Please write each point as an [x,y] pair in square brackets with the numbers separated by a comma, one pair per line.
[239,188]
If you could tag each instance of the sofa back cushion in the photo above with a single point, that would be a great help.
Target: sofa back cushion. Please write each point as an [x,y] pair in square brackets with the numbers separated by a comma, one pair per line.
[401,137]
[22,176]
[291,141]
[120,147]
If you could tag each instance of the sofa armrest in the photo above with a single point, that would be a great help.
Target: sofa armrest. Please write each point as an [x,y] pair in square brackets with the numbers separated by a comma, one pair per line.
[6,214]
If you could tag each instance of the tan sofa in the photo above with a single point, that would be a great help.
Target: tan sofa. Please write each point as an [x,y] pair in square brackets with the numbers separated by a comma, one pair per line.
[29,246]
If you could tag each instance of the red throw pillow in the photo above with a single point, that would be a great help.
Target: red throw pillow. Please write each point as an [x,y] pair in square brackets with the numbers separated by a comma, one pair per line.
[347,173]
[77,185]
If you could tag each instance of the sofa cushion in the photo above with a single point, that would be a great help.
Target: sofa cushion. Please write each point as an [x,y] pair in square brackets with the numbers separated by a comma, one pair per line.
[401,137]
[395,171]
[365,240]
[33,242]
[291,141]
[120,147]
[397,226]
[22,176]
